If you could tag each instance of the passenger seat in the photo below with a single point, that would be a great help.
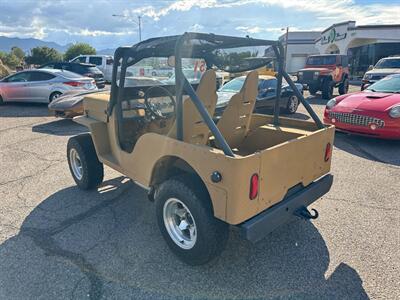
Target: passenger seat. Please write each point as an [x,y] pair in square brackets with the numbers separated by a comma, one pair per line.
[235,120]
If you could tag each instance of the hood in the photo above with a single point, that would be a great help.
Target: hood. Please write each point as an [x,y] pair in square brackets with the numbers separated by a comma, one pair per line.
[66,102]
[70,99]
[386,71]
[367,101]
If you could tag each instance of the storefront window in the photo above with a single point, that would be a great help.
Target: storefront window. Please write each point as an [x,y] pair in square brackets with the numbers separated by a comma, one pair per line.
[362,57]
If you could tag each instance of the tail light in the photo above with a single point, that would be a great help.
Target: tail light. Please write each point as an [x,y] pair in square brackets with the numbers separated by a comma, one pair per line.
[328,151]
[253,186]
[74,83]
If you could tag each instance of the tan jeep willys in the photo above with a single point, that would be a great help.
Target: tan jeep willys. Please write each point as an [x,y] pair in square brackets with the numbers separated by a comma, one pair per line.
[249,170]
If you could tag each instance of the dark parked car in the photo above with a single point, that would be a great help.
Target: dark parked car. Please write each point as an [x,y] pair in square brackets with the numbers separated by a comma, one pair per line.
[266,94]
[87,70]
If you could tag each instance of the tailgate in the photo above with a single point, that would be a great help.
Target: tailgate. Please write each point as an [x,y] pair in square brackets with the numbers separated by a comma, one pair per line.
[300,160]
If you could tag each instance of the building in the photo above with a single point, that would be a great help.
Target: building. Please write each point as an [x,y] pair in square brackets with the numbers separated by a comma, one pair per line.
[364,44]
[299,45]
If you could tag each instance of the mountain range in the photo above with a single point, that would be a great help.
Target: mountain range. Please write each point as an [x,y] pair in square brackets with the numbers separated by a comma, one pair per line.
[26,44]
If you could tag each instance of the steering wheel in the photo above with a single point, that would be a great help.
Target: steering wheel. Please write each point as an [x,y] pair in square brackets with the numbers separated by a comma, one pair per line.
[157,109]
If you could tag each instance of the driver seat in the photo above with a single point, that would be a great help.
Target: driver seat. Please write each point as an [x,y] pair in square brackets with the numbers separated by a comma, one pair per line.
[195,130]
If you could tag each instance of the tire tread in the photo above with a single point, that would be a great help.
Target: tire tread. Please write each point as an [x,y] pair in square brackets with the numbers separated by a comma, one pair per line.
[198,201]
[93,171]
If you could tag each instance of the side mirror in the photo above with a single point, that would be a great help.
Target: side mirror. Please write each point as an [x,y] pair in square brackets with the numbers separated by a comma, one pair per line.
[370,67]
[171,61]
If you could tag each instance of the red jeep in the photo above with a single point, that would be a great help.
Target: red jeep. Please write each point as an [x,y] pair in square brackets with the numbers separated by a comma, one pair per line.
[324,73]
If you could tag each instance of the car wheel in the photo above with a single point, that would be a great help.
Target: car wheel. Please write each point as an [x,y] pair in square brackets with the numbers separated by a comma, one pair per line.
[292,104]
[1,100]
[85,167]
[153,73]
[327,89]
[54,96]
[186,220]
[344,87]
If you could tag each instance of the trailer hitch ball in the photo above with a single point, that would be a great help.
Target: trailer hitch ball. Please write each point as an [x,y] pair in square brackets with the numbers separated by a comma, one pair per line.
[304,213]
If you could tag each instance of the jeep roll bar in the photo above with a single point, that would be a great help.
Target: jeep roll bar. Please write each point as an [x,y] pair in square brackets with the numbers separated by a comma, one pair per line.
[196,45]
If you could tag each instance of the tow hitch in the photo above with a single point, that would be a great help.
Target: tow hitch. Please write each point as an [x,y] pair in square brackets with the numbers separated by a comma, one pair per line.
[304,213]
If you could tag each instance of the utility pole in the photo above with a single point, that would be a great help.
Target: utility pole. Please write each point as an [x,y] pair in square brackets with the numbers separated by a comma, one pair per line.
[286,45]
[138,22]
[140,27]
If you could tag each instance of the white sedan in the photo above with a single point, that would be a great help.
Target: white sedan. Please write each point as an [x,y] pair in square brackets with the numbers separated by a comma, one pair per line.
[42,85]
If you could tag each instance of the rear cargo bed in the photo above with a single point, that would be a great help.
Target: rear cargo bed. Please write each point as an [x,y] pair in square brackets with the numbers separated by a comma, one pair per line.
[289,155]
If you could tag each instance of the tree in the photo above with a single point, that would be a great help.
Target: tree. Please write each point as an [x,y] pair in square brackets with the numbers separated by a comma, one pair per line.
[79,49]
[18,52]
[42,55]
[11,60]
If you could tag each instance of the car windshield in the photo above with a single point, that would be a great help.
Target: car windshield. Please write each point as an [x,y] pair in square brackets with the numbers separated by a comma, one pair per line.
[389,63]
[389,84]
[233,86]
[321,60]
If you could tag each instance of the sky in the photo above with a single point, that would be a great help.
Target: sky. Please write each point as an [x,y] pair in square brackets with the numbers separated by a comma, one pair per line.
[73,21]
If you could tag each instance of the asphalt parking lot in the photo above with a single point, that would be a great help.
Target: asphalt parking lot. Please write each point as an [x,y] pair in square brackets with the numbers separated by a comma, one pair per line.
[58,242]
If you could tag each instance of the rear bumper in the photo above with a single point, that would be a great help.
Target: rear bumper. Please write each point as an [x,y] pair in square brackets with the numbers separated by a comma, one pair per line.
[264,223]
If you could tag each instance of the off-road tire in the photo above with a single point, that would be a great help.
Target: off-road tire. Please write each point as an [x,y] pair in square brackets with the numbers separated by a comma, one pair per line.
[313,90]
[92,168]
[291,108]
[327,89]
[344,87]
[54,96]
[212,234]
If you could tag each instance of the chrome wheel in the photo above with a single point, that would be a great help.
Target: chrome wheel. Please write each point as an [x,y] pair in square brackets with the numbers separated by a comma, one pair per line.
[179,223]
[76,164]
[293,103]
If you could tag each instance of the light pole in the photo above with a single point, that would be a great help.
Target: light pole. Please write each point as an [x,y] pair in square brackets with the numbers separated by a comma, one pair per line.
[286,45]
[138,22]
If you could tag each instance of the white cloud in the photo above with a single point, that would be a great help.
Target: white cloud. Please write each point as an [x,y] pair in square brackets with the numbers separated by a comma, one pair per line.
[196,27]
[182,5]
[35,29]
[324,9]
[258,18]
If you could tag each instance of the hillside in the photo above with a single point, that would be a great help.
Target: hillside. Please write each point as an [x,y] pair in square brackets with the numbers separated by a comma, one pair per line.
[26,44]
